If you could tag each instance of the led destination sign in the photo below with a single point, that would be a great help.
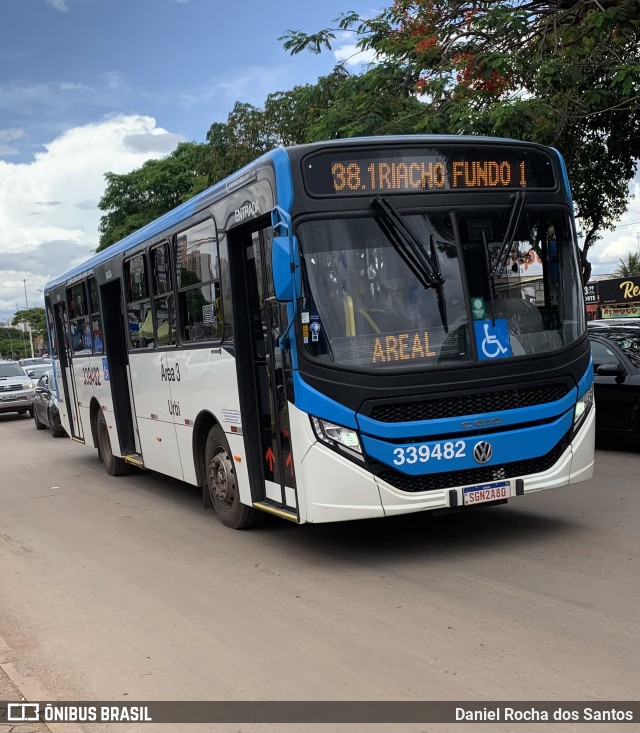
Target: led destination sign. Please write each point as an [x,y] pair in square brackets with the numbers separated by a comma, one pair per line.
[451,169]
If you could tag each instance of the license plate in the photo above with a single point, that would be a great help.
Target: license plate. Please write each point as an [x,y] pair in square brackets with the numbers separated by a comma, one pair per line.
[487,492]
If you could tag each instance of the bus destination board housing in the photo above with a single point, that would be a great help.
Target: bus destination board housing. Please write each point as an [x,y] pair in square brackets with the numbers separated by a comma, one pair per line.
[446,168]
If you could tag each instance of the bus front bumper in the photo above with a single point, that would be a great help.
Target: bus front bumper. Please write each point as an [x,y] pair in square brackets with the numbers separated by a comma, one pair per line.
[336,489]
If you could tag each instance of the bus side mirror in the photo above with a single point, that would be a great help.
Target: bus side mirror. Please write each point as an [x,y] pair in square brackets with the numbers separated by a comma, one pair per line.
[285,262]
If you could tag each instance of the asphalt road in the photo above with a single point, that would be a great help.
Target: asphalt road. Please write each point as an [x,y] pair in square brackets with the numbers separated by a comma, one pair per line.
[125,588]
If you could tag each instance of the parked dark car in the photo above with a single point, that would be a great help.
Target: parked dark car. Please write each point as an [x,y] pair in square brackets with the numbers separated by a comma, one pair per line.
[45,409]
[616,365]
[614,323]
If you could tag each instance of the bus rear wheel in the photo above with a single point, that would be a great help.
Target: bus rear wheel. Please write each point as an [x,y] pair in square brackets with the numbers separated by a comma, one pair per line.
[115,466]
[222,484]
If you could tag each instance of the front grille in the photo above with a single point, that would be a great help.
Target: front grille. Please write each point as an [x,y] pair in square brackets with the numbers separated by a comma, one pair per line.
[471,476]
[10,387]
[469,404]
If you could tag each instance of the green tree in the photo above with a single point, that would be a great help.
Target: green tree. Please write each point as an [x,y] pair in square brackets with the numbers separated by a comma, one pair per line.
[134,199]
[565,74]
[376,102]
[35,318]
[14,343]
[338,105]
[237,142]
[630,268]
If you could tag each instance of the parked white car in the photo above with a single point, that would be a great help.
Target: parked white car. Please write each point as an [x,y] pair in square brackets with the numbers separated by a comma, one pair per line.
[17,389]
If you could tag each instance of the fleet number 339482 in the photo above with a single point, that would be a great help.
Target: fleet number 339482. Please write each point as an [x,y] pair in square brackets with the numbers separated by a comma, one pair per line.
[423,453]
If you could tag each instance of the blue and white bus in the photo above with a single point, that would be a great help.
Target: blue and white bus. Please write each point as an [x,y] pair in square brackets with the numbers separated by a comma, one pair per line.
[348,329]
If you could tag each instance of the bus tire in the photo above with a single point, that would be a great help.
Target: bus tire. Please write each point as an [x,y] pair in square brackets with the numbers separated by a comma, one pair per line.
[222,484]
[115,466]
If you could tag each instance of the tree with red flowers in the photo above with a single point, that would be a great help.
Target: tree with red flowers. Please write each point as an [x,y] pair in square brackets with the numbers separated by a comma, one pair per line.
[564,73]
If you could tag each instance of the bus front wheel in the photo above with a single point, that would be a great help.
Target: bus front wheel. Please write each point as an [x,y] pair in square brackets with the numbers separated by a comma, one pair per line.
[222,484]
[115,466]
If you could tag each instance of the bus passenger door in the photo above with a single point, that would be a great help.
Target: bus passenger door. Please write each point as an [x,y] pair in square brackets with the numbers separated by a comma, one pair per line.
[65,353]
[115,341]
[262,376]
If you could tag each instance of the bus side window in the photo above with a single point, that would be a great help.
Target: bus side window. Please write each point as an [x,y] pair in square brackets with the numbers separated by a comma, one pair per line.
[53,346]
[165,318]
[96,320]
[79,318]
[197,273]
[138,303]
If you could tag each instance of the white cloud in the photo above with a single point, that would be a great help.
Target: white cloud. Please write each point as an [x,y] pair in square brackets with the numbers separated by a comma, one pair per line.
[625,238]
[59,5]
[353,56]
[250,85]
[157,141]
[11,134]
[48,208]
[345,50]
[8,135]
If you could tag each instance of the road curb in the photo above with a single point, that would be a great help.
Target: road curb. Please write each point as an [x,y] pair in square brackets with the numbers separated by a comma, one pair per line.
[10,693]
[15,689]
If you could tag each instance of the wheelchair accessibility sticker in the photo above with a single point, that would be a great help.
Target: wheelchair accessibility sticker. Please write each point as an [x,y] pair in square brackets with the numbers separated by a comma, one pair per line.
[492,339]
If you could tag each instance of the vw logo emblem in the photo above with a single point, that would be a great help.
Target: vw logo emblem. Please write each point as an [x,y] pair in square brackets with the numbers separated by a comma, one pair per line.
[482,452]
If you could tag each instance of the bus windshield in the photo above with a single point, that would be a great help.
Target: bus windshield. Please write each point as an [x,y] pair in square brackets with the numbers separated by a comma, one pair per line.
[365,305]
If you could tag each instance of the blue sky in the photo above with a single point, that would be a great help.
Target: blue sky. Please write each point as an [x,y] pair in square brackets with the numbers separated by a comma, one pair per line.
[65,63]
[92,86]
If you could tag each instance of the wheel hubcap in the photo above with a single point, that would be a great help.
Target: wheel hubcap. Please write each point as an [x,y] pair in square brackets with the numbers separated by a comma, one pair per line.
[222,480]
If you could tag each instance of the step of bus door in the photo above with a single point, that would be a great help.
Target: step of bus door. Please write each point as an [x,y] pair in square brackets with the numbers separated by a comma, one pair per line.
[135,459]
[280,510]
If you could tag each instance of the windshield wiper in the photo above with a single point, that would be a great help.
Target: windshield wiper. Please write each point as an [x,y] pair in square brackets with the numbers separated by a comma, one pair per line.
[509,235]
[426,267]
[491,282]
[407,245]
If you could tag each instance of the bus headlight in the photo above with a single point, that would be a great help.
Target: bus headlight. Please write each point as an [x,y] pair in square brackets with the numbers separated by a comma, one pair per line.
[583,405]
[336,435]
